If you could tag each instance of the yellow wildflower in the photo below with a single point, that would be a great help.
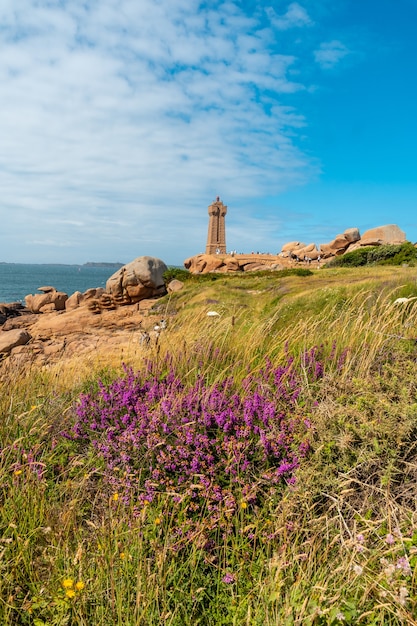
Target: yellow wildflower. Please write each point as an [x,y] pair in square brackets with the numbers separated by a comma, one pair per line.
[79,585]
[70,593]
[115,497]
[243,505]
[17,472]
[68,583]
[122,555]
[158,521]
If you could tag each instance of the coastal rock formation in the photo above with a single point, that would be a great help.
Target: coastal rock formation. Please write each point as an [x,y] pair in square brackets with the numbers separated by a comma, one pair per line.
[295,251]
[226,263]
[136,281]
[308,252]
[54,327]
[352,234]
[43,339]
[336,247]
[390,233]
[78,299]
[12,338]
[49,300]
[12,309]
[347,241]
[292,246]
[139,279]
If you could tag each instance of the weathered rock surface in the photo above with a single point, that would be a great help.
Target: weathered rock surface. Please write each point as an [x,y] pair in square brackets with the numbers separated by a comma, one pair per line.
[78,299]
[224,263]
[347,241]
[54,327]
[12,338]
[389,233]
[49,300]
[58,336]
[204,263]
[74,301]
[294,252]
[13,309]
[292,245]
[138,280]
[23,321]
[335,247]
[352,234]
[175,285]
[308,252]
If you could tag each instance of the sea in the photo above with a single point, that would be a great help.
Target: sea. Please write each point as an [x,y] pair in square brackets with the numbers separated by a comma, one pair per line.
[17,280]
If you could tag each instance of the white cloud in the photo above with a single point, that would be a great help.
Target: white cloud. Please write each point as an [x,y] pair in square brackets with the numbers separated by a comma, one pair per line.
[330,53]
[295,17]
[121,121]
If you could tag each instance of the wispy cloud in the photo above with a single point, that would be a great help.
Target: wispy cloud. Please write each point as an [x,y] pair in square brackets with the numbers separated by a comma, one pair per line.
[122,120]
[330,54]
[295,16]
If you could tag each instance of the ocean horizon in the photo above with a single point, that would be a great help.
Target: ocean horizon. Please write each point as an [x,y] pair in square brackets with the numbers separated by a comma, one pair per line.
[17,280]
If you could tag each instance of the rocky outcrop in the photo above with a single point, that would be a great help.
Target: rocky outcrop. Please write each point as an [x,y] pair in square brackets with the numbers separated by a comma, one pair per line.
[352,234]
[54,327]
[12,338]
[293,246]
[309,252]
[78,299]
[390,234]
[299,251]
[336,247]
[294,252]
[49,300]
[204,263]
[12,309]
[227,263]
[44,339]
[140,279]
[347,241]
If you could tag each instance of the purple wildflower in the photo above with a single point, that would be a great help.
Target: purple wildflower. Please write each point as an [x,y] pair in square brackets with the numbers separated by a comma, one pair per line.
[228,578]
[206,443]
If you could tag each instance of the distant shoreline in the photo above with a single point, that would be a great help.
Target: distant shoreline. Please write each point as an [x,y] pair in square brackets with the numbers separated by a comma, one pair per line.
[88,264]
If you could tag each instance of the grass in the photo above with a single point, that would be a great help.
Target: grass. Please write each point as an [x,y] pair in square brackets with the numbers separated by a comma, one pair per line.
[332,541]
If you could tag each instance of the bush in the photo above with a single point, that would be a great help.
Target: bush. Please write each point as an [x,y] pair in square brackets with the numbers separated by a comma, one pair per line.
[352,259]
[185,275]
[212,445]
[177,273]
[394,255]
[388,254]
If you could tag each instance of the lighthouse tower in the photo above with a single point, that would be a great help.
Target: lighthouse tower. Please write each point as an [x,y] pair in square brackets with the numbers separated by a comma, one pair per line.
[216,237]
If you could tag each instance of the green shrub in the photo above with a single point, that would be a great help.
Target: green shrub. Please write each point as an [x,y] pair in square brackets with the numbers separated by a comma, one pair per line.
[177,273]
[388,254]
[394,254]
[184,275]
[352,259]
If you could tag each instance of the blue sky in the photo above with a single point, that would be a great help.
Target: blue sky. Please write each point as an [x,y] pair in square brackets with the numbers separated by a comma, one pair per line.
[122,120]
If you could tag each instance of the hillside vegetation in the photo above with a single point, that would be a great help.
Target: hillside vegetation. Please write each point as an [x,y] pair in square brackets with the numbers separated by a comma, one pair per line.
[255,467]
[388,254]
